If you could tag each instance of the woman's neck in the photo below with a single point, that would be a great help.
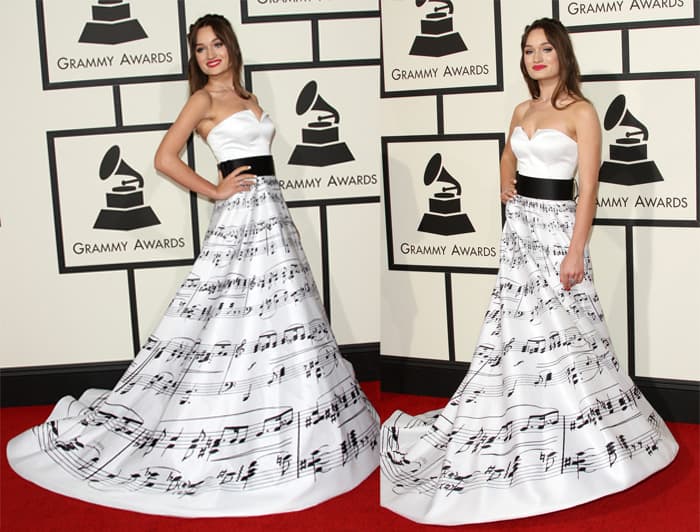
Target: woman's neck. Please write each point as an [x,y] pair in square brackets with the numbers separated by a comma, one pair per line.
[547,87]
[221,82]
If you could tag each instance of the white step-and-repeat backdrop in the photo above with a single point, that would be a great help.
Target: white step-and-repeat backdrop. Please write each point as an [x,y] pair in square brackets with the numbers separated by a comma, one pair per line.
[450,81]
[420,94]
[95,241]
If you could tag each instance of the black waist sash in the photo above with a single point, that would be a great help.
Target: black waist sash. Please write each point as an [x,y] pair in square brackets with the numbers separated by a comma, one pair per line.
[260,165]
[547,189]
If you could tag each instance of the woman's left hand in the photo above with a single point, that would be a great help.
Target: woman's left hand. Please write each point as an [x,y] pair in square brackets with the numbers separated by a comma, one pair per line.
[571,271]
[508,191]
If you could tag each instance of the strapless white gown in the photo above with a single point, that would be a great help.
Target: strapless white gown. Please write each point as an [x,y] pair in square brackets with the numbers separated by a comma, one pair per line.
[544,418]
[239,403]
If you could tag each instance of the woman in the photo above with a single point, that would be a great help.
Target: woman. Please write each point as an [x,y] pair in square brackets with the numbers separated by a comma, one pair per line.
[544,419]
[239,403]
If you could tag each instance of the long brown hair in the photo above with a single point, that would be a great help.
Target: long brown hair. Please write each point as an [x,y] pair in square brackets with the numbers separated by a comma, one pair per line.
[569,73]
[223,30]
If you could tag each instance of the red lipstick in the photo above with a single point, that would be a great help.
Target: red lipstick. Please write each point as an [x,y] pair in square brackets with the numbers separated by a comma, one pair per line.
[538,67]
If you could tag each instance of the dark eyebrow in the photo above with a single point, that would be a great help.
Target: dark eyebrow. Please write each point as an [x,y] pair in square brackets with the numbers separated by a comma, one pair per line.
[215,39]
[544,43]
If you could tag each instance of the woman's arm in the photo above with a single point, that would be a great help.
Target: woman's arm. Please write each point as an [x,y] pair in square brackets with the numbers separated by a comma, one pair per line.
[508,164]
[589,142]
[167,158]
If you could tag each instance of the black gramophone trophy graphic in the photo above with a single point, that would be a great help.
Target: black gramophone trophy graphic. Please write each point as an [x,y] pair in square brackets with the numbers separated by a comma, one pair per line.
[444,216]
[437,36]
[320,144]
[628,164]
[112,24]
[125,208]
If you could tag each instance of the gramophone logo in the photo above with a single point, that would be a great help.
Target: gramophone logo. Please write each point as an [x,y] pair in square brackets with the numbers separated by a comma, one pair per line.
[112,24]
[444,216]
[437,36]
[628,164]
[125,208]
[320,144]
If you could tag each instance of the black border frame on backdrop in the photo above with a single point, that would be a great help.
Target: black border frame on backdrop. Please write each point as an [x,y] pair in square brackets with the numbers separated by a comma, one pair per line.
[497,87]
[248,71]
[321,203]
[650,23]
[695,76]
[49,85]
[674,399]
[386,140]
[47,383]
[51,136]
[248,18]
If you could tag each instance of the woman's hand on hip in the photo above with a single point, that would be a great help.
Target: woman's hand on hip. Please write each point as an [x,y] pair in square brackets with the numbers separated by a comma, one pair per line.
[239,180]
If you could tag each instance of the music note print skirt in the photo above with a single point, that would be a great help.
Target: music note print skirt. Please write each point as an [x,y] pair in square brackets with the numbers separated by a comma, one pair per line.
[544,419]
[238,404]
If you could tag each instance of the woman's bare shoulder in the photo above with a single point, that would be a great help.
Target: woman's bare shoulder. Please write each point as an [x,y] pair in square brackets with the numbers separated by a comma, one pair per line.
[520,110]
[582,108]
[200,100]
[522,107]
[584,113]
[197,110]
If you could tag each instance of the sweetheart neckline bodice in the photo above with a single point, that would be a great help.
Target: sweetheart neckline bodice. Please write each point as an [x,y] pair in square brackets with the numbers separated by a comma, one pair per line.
[549,153]
[241,134]
[532,137]
[232,115]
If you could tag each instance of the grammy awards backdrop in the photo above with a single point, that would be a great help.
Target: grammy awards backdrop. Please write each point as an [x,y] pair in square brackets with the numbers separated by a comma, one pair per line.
[450,80]
[387,150]
[101,241]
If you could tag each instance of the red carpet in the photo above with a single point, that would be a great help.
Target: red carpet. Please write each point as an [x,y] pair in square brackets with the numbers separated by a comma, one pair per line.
[668,501]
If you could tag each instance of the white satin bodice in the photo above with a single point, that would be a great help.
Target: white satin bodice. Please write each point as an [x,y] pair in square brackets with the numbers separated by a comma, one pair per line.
[549,154]
[241,135]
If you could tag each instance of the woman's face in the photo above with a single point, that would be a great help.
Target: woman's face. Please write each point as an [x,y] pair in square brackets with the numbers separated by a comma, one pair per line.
[211,53]
[540,56]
